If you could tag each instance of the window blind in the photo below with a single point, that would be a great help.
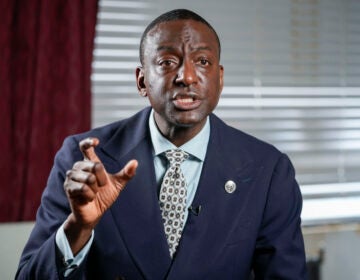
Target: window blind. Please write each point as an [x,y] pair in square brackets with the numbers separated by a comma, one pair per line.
[292,74]
[118,31]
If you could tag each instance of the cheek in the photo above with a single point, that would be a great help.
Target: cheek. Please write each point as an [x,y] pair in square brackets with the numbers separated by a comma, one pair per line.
[157,83]
[213,86]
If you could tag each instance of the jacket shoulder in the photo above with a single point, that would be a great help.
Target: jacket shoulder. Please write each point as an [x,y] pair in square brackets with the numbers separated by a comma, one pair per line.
[105,132]
[123,131]
[239,141]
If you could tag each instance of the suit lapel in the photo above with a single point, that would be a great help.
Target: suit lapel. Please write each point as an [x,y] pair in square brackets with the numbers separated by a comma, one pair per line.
[136,212]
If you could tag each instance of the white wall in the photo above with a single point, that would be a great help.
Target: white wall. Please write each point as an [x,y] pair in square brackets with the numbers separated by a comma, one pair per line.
[341,245]
[12,240]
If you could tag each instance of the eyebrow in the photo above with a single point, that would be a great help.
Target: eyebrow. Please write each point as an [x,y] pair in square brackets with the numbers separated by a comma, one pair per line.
[166,48]
[202,48]
[170,48]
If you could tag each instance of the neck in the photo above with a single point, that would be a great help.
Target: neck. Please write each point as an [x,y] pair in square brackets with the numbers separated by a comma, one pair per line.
[177,134]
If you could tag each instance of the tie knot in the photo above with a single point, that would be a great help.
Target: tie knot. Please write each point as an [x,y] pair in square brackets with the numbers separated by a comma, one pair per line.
[176,156]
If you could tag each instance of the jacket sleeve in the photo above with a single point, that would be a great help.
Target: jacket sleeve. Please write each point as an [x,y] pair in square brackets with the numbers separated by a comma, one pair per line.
[41,259]
[280,250]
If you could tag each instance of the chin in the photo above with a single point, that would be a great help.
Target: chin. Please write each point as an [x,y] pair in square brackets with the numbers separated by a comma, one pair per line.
[189,121]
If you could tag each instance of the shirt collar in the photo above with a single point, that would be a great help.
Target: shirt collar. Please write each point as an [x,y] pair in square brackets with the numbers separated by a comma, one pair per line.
[196,146]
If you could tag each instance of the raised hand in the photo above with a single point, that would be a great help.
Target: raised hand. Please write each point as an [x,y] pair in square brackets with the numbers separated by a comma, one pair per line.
[91,191]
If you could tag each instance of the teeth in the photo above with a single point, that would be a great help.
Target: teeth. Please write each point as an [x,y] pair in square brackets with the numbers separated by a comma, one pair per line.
[186,99]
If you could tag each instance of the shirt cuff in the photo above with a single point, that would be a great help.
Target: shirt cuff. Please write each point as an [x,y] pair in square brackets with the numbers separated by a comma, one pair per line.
[70,261]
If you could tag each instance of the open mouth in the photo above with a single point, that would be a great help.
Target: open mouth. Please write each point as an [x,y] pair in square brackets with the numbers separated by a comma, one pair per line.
[185,99]
[186,102]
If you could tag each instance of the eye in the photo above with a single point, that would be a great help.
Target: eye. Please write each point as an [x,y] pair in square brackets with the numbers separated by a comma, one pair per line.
[167,63]
[204,61]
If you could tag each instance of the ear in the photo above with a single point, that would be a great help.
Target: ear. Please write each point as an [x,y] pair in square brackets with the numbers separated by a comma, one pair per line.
[140,81]
[221,69]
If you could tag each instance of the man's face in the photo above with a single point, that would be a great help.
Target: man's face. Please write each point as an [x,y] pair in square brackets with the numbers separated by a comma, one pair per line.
[181,74]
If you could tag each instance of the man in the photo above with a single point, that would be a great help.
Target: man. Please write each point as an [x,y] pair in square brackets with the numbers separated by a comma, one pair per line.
[239,212]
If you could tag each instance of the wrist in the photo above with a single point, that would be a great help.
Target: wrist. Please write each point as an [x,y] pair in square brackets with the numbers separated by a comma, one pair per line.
[77,234]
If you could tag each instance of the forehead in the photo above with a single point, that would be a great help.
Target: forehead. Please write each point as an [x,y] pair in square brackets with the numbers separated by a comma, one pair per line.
[181,32]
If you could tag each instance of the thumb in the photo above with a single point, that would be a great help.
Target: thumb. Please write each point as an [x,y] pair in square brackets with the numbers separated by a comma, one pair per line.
[127,173]
[87,148]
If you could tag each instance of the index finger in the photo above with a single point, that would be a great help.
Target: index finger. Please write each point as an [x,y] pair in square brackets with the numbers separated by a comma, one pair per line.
[87,146]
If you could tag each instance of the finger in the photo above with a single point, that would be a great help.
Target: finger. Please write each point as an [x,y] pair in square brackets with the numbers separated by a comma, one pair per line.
[74,188]
[81,176]
[96,168]
[128,172]
[87,148]
[100,173]
[84,165]
[79,192]
[80,186]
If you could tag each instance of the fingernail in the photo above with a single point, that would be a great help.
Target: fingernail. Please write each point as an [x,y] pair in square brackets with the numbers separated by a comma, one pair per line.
[89,141]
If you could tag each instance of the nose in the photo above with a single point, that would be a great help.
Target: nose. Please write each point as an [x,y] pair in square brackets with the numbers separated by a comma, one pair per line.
[186,74]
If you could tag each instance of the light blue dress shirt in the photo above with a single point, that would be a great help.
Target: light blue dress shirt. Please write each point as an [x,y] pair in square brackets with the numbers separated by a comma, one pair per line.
[191,168]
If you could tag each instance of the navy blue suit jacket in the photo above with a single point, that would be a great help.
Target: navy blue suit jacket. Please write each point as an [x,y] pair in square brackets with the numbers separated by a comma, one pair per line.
[257,227]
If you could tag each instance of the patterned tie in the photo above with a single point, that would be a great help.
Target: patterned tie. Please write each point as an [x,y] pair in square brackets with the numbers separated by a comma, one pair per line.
[172,198]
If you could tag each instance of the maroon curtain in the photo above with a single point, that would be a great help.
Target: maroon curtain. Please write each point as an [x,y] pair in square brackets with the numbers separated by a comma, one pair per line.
[45,65]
